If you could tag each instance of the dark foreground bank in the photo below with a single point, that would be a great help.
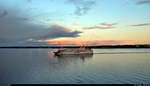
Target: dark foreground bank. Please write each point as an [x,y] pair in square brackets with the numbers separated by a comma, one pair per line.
[105,46]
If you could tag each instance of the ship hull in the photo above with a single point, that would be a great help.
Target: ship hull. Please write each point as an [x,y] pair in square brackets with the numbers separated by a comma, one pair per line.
[73,52]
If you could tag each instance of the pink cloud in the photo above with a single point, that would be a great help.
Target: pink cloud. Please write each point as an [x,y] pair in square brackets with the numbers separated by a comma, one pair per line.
[103,25]
[75,24]
[99,27]
[95,42]
[144,24]
[108,24]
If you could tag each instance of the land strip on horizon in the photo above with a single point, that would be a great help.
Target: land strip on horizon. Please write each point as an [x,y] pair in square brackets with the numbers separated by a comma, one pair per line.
[103,46]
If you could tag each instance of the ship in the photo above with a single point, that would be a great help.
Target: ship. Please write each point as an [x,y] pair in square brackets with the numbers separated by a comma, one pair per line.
[73,51]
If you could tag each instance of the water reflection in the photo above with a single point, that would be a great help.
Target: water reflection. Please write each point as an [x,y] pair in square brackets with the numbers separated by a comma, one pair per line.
[64,61]
[74,57]
[40,66]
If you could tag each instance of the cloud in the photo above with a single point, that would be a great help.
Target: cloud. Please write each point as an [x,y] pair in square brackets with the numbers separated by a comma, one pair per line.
[108,42]
[108,24]
[102,26]
[76,24]
[29,0]
[144,24]
[82,6]
[56,31]
[16,27]
[3,13]
[99,27]
[94,42]
[143,2]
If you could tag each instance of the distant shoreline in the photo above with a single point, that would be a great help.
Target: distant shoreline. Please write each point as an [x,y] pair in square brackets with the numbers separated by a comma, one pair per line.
[105,46]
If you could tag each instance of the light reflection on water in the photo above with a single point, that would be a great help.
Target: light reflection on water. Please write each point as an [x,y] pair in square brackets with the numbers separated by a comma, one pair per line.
[105,66]
[67,60]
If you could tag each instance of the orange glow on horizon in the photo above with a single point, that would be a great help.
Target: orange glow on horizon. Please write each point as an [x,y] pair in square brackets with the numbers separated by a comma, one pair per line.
[75,42]
[94,42]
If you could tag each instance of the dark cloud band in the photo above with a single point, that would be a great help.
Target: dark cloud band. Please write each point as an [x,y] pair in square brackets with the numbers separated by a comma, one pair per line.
[16,27]
[143,2]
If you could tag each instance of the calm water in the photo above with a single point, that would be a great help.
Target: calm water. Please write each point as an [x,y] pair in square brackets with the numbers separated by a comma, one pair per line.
[105,66]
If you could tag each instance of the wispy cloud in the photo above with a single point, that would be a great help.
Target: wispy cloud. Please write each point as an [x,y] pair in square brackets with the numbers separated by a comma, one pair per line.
[29,1]
[94,42]
[82,6]
[143,2]
[108,24]
[99,27]
[76,24]
[102,26]
[144,24]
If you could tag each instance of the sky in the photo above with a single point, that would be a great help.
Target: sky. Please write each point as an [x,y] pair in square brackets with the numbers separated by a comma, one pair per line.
[74,22]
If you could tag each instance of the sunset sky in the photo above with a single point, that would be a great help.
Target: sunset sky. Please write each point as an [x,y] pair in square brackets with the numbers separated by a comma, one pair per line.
[75,22]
